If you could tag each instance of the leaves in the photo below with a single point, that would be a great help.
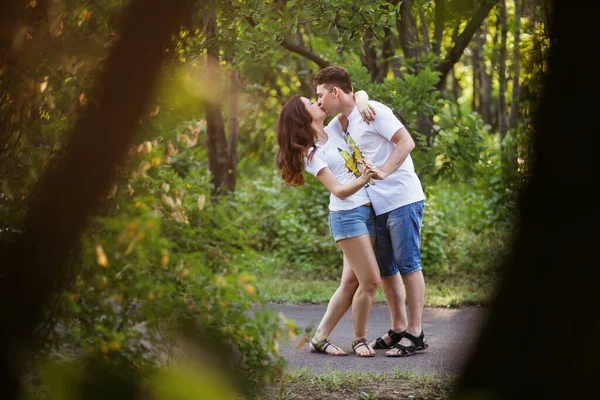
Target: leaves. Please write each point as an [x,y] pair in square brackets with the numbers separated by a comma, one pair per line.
[201,201]
[101,258]
[155,111]
[44,84]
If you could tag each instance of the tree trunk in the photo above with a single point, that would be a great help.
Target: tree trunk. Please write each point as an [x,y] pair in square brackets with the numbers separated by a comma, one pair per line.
[456,89]
[395,64]
[494,67]
[216,143]
[476,65]
[369,59]
[486,81]
[514,104]
[438,34]
[503,26]
[216,140]
[234,125]
[387,54]
[424,31]
[411,48]
[408,31]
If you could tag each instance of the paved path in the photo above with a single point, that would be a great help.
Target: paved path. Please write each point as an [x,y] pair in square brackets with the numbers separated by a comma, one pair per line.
[451,334]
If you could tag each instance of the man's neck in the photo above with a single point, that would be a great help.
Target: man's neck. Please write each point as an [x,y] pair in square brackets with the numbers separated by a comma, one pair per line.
[348,104]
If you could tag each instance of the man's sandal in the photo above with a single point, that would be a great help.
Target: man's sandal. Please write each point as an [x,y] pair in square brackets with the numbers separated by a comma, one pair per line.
[322,346]
[359,343]
[395,336]
[417,344]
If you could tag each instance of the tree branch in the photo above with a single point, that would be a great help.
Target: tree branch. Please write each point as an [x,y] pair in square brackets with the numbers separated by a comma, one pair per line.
[294,48]
[464,39]
[305,53]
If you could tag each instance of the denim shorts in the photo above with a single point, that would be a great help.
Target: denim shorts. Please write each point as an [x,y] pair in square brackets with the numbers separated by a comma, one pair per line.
[351,223]
[398,243]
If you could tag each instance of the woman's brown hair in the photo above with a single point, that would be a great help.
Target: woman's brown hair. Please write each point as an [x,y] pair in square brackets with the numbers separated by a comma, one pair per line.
[295,137]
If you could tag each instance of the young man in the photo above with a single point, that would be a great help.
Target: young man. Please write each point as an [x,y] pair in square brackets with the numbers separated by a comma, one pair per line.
[398,200]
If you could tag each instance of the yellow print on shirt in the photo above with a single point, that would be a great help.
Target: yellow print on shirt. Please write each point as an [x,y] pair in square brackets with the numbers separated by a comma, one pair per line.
[356,155]
[352,165]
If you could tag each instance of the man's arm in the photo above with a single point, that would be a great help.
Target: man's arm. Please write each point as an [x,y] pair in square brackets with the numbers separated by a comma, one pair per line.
[404,145]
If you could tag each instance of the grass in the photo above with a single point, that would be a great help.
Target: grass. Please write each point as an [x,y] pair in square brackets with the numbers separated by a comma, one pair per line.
[454,291]
[397,384]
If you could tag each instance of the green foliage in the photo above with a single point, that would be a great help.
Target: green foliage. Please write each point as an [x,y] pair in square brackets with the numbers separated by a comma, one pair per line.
[459,149]
[433,235]
[410,97]
[161,257]
[93,378]
[291,223]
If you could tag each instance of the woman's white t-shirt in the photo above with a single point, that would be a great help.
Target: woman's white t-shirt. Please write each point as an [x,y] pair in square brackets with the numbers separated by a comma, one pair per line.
[337,156]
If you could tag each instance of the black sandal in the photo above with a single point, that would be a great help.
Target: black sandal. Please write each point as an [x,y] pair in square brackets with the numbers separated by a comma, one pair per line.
[395,336]
[359,343]
[417,344]
[322,347]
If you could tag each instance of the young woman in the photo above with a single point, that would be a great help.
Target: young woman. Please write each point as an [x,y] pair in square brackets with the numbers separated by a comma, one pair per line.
[305,143]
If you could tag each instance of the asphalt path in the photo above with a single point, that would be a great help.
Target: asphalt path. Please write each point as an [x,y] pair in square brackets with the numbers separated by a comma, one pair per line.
[451,334]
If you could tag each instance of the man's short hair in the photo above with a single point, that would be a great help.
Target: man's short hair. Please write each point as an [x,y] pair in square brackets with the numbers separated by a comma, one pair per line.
[334,76]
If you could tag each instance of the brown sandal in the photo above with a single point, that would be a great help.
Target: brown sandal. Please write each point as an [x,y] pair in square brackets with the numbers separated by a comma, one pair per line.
[321,348]
[359,343]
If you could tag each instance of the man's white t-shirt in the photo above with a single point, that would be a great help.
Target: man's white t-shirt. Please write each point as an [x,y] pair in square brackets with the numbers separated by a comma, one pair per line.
[373,142]
[336,155]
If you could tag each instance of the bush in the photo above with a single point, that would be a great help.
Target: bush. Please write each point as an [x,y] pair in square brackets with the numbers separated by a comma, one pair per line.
[161,257]
[291,224]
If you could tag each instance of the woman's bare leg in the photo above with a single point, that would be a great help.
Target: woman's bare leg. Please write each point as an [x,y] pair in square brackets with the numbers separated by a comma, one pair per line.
[338,305]
[361,258]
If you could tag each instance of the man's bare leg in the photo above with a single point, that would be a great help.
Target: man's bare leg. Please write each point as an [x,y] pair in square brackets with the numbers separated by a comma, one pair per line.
[415,297]
[393,290]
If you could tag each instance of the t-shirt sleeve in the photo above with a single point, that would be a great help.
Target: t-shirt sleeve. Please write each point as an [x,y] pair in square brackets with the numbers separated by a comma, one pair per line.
[316,164]
[385,122]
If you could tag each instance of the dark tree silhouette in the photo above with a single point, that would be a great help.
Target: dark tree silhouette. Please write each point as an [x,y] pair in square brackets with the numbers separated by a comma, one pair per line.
[71,188]
[540,341]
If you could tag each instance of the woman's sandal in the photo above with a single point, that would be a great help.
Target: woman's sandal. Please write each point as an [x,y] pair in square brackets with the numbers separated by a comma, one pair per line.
[321,348]
[417,344]
[395,336]
[359,343]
